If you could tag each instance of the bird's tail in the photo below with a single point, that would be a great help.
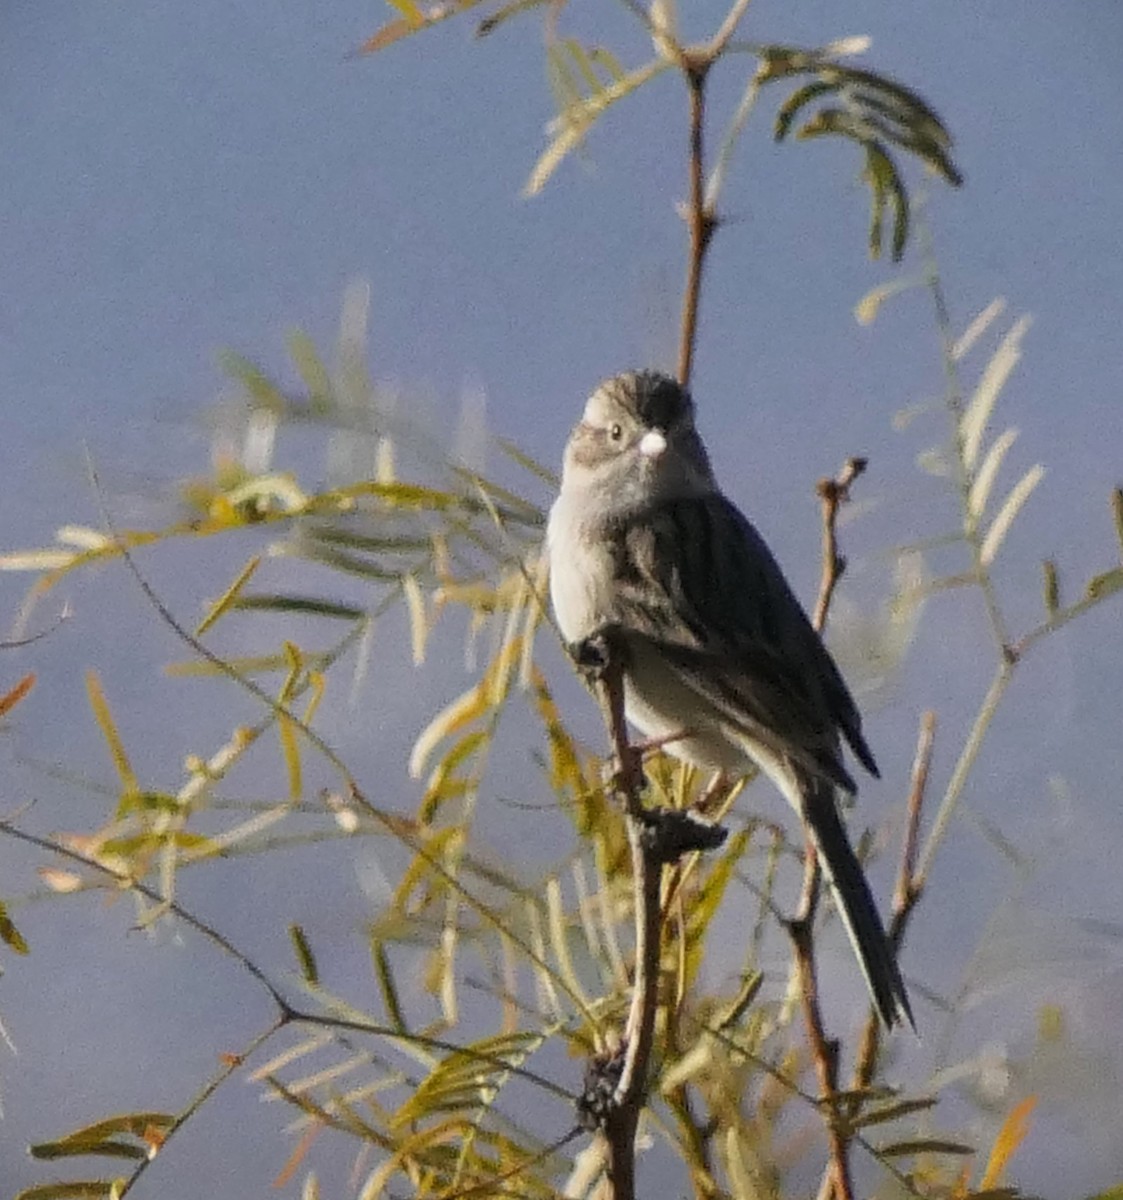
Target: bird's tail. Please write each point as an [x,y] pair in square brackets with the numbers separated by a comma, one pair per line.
[855,903]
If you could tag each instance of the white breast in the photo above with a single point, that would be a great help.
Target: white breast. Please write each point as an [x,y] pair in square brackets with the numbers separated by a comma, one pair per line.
[580,571]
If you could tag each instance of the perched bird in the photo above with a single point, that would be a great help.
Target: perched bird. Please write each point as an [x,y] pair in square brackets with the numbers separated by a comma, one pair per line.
[718,656]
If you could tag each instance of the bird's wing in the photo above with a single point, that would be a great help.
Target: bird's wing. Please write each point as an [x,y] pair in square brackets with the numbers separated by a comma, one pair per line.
[729,624]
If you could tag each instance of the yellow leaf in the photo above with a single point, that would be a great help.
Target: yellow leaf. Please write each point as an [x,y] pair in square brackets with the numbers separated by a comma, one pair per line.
[866,310]
[223,603]
[104,718]
[1010,1137]
[13,696]
[450,719]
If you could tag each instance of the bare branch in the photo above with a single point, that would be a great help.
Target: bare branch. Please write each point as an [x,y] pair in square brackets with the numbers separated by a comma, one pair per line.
[833,493]
[700,216]
[621,1118]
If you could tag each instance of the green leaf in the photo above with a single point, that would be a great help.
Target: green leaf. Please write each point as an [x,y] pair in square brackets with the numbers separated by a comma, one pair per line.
[801,97]
[924,1146]
[1052,587]
[104,718]
[890,1112]
[9,934]
[307,360]
[105,1149]
[304,956]
[261,389]
[1117,514]
[307,605]
[1105,584]
[72,1189]
[102,1137]
[223,603]
[388,986]
[468,1077]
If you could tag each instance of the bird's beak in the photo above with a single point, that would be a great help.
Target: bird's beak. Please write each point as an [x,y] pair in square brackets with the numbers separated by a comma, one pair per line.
[652,444]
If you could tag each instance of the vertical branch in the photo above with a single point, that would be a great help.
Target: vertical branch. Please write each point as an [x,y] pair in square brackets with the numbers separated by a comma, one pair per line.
[700,217]
[833,493]
[618,1113]
[837,1181]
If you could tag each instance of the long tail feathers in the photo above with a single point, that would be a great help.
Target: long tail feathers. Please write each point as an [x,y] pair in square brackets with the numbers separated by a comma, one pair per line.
[856,905]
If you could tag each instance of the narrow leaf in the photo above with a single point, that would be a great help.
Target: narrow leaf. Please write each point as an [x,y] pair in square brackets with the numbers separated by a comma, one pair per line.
[924,1146]
[802,96]
[577,119]
[307,360]
[304,956]
[981,485]
[108,727]
[1004,360]
[1019,494]
[72,1189]
[49,1151]
[866,310]
[9,934]
[223,603]
[14,695]
[37,560]
[1010,1137]
[462,711]
[1117,514]
[311,606]
[418,621]
[977,328]
[388,986]
[138,1124]
[1105,584]
[1052,587]
[890,1112]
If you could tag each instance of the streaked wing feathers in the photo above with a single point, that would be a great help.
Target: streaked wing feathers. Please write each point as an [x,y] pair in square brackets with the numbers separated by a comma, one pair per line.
[734,631]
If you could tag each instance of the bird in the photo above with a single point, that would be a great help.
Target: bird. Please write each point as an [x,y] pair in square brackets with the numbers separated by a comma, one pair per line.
[719,661]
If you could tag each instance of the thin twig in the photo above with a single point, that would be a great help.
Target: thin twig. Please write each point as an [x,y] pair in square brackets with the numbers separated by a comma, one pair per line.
[728,28]
[833,493]
[700,217]
[232,1063]
[124,880]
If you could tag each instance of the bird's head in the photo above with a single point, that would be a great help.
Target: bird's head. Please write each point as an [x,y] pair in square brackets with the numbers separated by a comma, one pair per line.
[636,444]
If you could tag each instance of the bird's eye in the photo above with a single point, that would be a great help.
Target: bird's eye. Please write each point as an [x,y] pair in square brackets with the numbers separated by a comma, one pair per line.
[616,432]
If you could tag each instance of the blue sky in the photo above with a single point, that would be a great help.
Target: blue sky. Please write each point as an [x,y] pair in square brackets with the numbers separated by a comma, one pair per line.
[184,178]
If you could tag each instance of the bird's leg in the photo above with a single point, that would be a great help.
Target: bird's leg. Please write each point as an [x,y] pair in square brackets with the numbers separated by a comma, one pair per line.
[713,793]
[600,660]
